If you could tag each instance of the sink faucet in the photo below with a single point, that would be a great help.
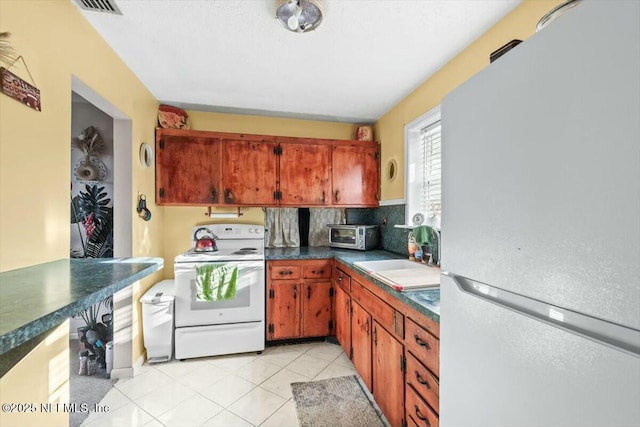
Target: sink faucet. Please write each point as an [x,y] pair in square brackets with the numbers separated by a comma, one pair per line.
[436,233]
[434,258]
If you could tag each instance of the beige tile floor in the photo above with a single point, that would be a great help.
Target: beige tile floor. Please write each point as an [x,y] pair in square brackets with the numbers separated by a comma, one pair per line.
[235,390]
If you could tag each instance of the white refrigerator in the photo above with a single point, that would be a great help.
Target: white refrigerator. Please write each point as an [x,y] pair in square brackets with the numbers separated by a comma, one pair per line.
[540,293]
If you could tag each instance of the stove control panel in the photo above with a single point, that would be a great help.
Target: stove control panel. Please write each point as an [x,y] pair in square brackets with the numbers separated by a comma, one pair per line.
[235,231]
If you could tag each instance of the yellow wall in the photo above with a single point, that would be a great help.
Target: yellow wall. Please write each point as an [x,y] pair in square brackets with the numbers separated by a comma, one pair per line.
[41,377]
[519,24]
[178,221]
[56,43]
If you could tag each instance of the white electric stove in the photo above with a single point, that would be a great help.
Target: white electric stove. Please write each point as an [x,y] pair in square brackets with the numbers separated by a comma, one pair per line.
[210,328]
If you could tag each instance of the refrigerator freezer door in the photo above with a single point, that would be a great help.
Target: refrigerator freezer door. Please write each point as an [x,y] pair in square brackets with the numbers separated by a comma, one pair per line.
[499,367]
[541,166]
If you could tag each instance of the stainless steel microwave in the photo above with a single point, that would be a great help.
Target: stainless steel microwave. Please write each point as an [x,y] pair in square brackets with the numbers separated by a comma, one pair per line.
[360,237]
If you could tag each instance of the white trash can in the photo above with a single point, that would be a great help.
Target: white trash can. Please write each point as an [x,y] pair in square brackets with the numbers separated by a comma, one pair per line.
[157,321]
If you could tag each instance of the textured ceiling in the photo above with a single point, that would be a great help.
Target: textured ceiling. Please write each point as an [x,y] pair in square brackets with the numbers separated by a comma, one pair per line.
[233,56]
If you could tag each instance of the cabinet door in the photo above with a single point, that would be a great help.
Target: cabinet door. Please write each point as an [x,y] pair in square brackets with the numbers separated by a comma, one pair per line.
[342,310]
[361,342]
[187,170]
[304,174]
[316,309]
[248,172]
[355,175]
[283,310]
[388,374]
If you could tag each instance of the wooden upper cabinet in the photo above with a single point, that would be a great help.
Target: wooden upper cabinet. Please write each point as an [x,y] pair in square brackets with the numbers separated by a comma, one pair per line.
[217,169]
[248,172]
[187,168]
[304,174]
[355,175]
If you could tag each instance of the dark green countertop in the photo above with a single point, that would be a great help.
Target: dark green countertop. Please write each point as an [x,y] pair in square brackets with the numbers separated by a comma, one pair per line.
[426,301]
[37,298]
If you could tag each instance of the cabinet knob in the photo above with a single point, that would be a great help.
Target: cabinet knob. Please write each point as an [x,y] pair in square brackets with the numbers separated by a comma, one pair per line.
[295,292]
[337,196]
[308,291]
[214,194]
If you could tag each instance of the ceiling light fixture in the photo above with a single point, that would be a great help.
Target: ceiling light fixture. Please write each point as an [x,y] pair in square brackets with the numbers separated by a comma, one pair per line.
[299,16]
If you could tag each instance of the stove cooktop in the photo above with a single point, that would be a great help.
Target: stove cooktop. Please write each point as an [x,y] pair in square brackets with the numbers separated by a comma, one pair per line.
[235,242]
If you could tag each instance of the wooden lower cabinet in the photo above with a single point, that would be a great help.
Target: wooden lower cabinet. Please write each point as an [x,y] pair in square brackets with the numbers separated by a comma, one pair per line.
[388,374]
[418,412]
[299,299]
[361,328]
[342,316]
[316,309]
[394,348]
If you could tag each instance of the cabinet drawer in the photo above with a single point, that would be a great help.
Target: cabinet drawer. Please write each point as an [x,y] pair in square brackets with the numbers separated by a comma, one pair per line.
[424,346]
[342,279]
[418,412]
[423,381]
[285,271]
[385,315]
[317,270]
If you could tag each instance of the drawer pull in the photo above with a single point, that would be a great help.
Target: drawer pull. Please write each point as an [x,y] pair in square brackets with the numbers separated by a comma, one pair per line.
[420,416]
[421,343]
[286,272]
[422,381]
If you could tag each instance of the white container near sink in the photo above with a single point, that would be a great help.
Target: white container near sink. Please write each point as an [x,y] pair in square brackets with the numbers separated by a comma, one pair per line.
[401,274]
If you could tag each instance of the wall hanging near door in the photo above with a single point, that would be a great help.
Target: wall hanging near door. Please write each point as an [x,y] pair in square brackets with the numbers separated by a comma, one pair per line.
[18,89]
[92,145]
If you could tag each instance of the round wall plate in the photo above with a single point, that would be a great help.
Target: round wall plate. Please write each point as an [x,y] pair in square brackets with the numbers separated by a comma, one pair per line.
[146,155]
[418,219]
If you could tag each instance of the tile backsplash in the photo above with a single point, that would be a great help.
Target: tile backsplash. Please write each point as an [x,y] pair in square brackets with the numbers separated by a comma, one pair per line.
[392,239]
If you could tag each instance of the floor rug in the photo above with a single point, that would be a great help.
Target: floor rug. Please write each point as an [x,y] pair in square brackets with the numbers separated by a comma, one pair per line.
[334,402]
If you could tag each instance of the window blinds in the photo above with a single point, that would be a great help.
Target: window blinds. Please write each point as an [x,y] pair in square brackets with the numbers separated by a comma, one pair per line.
[430,151]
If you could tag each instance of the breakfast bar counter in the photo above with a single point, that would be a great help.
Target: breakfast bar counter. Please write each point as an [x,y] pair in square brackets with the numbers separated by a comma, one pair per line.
[35,299]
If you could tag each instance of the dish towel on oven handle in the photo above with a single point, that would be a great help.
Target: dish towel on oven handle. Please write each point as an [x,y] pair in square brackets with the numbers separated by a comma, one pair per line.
[216,282]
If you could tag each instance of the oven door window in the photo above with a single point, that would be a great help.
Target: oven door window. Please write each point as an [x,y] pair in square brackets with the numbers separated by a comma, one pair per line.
[248,305]
[342,235]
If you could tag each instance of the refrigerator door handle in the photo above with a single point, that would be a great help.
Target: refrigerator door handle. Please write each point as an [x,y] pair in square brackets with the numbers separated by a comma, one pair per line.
[601,331]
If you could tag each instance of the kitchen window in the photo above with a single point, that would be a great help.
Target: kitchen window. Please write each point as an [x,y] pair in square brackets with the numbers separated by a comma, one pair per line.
[423,178]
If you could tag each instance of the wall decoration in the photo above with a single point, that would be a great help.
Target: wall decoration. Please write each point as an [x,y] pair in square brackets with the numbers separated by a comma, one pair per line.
[172,117]
[92,212]
[18,89]
[7,53]
[146,155]
[91,144]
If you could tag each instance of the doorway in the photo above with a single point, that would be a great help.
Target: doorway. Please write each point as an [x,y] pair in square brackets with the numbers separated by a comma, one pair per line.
[101,227]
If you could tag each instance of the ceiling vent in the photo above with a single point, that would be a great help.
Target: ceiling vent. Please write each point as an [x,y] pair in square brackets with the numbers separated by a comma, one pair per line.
[107,6]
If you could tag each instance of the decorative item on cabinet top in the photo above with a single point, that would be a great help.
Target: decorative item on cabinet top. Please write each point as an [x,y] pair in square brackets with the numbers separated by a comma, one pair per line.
[364,133]
[172,117]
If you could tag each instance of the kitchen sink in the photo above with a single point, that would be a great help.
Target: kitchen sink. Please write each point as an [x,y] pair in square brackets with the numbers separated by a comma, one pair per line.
[402,274]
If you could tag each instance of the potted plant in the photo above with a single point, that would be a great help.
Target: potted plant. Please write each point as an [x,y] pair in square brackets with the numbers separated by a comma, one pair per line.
[94,334]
